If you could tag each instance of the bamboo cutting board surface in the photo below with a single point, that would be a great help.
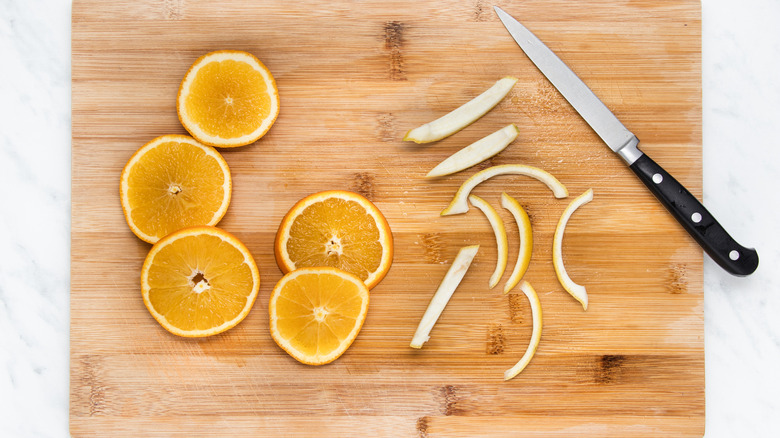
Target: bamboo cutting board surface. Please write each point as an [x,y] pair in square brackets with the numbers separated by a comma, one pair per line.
[353,78]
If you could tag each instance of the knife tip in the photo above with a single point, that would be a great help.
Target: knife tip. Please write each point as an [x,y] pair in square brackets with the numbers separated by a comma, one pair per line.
[501,13]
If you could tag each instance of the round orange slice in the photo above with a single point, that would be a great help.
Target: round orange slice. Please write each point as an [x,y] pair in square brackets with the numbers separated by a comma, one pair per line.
[316,313]
[199,281]
[336,228]
[171,183]
[228,98]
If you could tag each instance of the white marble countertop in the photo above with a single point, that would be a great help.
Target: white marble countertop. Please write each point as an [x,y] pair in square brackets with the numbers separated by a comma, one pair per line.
[741,86]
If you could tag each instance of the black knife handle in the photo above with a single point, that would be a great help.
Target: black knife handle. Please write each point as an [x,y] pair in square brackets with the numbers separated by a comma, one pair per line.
[724,250]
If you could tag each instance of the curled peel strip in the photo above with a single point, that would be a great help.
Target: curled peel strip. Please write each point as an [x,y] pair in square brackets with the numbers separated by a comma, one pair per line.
[577,291]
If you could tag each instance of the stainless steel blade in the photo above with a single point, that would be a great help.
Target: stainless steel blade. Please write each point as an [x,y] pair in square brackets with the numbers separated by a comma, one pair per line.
[599,117]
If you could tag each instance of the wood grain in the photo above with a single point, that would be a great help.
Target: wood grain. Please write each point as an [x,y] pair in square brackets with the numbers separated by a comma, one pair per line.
[353,78]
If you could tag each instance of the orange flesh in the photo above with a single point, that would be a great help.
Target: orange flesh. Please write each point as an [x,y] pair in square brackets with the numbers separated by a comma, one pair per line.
[174,186]
[315,323]
[228,99]
[337,233]
[199,282]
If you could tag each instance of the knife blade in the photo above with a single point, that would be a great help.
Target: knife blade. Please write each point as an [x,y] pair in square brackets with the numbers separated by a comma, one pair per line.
[689,212]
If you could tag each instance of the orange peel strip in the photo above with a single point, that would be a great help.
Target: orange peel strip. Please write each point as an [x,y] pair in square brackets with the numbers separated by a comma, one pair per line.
[459,203]
[536,334]
[577,291]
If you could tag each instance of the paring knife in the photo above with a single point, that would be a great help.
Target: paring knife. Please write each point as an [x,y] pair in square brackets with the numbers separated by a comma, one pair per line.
[699,223]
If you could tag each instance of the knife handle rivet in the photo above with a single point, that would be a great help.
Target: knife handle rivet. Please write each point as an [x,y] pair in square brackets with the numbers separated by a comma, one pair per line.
[696,217]
[734,255]
[658,178]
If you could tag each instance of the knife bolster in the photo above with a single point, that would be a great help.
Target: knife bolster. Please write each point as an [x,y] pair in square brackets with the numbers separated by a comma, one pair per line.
[630,152]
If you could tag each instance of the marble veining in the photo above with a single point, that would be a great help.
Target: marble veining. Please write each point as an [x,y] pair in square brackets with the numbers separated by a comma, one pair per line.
[741,98]
[35,218]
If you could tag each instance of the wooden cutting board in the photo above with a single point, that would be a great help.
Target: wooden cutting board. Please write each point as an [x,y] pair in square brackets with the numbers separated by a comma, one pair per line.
[353,78]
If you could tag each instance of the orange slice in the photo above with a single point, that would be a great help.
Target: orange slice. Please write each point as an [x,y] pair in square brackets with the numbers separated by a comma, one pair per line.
[171,183]
[339,229]
[228,98]
[316,313]
[199,281]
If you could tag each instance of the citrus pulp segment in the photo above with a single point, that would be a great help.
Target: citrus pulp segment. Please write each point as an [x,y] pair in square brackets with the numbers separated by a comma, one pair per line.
[199,281]
[174,182]
[228,98]
[316,313]
[336,228]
